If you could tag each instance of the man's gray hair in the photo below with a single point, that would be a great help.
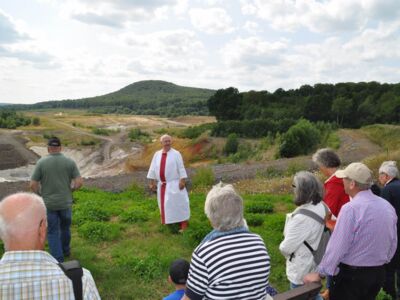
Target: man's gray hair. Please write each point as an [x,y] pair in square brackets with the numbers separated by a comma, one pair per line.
[362,186]
[327,158]
[165,136]
[224,208]
[389,168]
[307,188]
[21,222]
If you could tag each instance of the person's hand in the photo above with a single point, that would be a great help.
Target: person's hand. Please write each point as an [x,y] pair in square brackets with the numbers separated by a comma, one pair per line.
[311,277]
[153,186]
[181,184]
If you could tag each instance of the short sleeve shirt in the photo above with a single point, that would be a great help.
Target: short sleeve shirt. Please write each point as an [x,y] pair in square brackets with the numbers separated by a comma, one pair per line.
[55,172]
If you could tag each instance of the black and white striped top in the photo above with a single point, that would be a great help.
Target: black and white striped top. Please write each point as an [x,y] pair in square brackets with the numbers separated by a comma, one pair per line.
[235,266]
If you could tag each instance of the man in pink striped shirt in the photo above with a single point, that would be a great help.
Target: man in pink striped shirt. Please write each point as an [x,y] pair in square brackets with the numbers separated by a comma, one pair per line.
[364,240]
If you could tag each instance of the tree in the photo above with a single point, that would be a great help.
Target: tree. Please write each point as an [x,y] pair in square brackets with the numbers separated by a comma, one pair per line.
[232,144]
[342,107]
[225,104]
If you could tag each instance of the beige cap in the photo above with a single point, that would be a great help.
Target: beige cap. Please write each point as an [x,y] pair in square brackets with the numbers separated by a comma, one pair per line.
[357,172]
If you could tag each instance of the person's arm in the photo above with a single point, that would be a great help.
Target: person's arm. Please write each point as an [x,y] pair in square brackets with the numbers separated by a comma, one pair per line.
[339,243]
[77,183]
[153,185]
[295,234]
[181,171]
[185,297]
[34,186]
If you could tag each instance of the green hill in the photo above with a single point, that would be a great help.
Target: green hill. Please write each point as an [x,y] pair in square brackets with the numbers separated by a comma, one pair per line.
[150,97]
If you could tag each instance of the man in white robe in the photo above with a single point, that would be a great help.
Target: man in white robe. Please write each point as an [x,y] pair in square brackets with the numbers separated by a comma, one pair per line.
[167,175]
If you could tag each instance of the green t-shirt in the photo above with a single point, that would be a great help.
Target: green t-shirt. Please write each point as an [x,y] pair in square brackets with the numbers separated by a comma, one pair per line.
[55,172]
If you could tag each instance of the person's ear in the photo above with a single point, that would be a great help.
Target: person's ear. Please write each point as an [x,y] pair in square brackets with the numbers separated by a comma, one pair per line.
[43,231]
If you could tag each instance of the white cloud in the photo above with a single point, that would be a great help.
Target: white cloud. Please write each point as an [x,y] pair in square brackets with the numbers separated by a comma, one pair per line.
[8,30]
[253,53]
[252,27]
[326,16]
[211,20]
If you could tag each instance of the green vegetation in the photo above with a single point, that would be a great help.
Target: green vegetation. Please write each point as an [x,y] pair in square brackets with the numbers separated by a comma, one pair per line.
[139,135]
[129,257]
[151,97]
[346,104]
[232,144]
[10,119]
[104,131]
[204,177]
[386,136]
[193,132]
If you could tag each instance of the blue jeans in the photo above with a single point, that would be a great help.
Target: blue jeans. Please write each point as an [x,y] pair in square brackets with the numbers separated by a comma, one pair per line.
[59,233]
[293,286]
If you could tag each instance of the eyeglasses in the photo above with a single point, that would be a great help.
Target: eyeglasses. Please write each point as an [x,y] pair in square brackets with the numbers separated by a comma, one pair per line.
[293,185]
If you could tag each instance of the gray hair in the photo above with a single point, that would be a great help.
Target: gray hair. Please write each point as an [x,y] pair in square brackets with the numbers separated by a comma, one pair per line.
[327,158]
[389,168]
[29,208]
[307,188]
[224,207]
[164,136]
[362,186]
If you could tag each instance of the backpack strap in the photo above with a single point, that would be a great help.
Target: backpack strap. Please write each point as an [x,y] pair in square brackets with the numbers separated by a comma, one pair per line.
[74,271]
[314,216]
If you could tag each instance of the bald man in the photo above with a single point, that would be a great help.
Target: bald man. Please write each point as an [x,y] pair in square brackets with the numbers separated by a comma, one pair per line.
[26,271]
[167,175]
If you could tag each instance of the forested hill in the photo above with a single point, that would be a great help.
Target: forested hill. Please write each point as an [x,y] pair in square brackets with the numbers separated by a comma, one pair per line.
[150,97]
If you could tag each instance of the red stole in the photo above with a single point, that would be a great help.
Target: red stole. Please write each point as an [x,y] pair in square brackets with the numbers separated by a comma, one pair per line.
[163,185]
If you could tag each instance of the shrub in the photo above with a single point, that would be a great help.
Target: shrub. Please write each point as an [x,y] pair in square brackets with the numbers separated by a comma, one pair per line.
[101,131]
[259,207]
[137,134]
[203,177]
[300,139]
[232,144]
[270,172]
[193,132]
[88,143]
[254,219]
[99,231]
[88,212]
[134,216]
[196,232]
[36,121]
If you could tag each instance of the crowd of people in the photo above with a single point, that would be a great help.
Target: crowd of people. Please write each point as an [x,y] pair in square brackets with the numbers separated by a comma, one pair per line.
[231,262]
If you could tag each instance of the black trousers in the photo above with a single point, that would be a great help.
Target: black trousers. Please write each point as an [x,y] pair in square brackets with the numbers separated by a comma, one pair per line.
[357,283]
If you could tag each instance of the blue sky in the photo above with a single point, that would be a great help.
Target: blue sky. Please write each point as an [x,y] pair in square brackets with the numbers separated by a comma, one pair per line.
[67,49]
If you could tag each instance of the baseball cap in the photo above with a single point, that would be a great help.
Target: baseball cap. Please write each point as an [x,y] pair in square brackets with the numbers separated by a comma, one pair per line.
[179,271]
[54,142]
[356,171]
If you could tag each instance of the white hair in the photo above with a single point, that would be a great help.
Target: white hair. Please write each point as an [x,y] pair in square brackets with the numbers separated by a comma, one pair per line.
[389,168]
[164,136]
[224,207]
[28,209]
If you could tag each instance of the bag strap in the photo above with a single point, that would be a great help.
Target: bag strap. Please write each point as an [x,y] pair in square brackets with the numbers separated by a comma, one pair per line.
[311,214]
[74,271]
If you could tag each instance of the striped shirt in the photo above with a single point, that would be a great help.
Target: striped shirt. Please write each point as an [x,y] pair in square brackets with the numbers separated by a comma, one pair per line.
[35,275]
[234,266]
[365,234]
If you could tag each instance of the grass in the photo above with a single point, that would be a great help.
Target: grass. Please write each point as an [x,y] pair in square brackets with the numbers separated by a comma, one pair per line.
[118,237]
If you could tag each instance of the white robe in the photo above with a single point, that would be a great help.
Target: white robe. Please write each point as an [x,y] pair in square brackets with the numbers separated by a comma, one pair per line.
[176,201]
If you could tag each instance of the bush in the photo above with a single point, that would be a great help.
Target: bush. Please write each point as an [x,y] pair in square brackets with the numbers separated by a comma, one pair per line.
[99,231]
[270,172]
[89,212]
[203,177]
[259,207]
[254,219]
[134,216]
[137,134]
[36,121]
[232,144]
[196,232]
[300,139]
[88,143]
[193,132]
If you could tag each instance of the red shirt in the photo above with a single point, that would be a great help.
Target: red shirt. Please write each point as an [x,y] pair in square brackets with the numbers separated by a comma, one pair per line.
[335,197]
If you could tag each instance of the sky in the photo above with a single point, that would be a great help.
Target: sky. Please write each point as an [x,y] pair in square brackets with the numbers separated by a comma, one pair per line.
[69,49]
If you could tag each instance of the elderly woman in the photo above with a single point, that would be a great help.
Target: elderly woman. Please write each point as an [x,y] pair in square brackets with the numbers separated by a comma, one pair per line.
[308,194]
[231,262]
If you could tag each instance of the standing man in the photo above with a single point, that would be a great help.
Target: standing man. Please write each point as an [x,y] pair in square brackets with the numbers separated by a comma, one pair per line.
[388,174]
[167,175]
[364,240]
[26,271]
[55,177]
